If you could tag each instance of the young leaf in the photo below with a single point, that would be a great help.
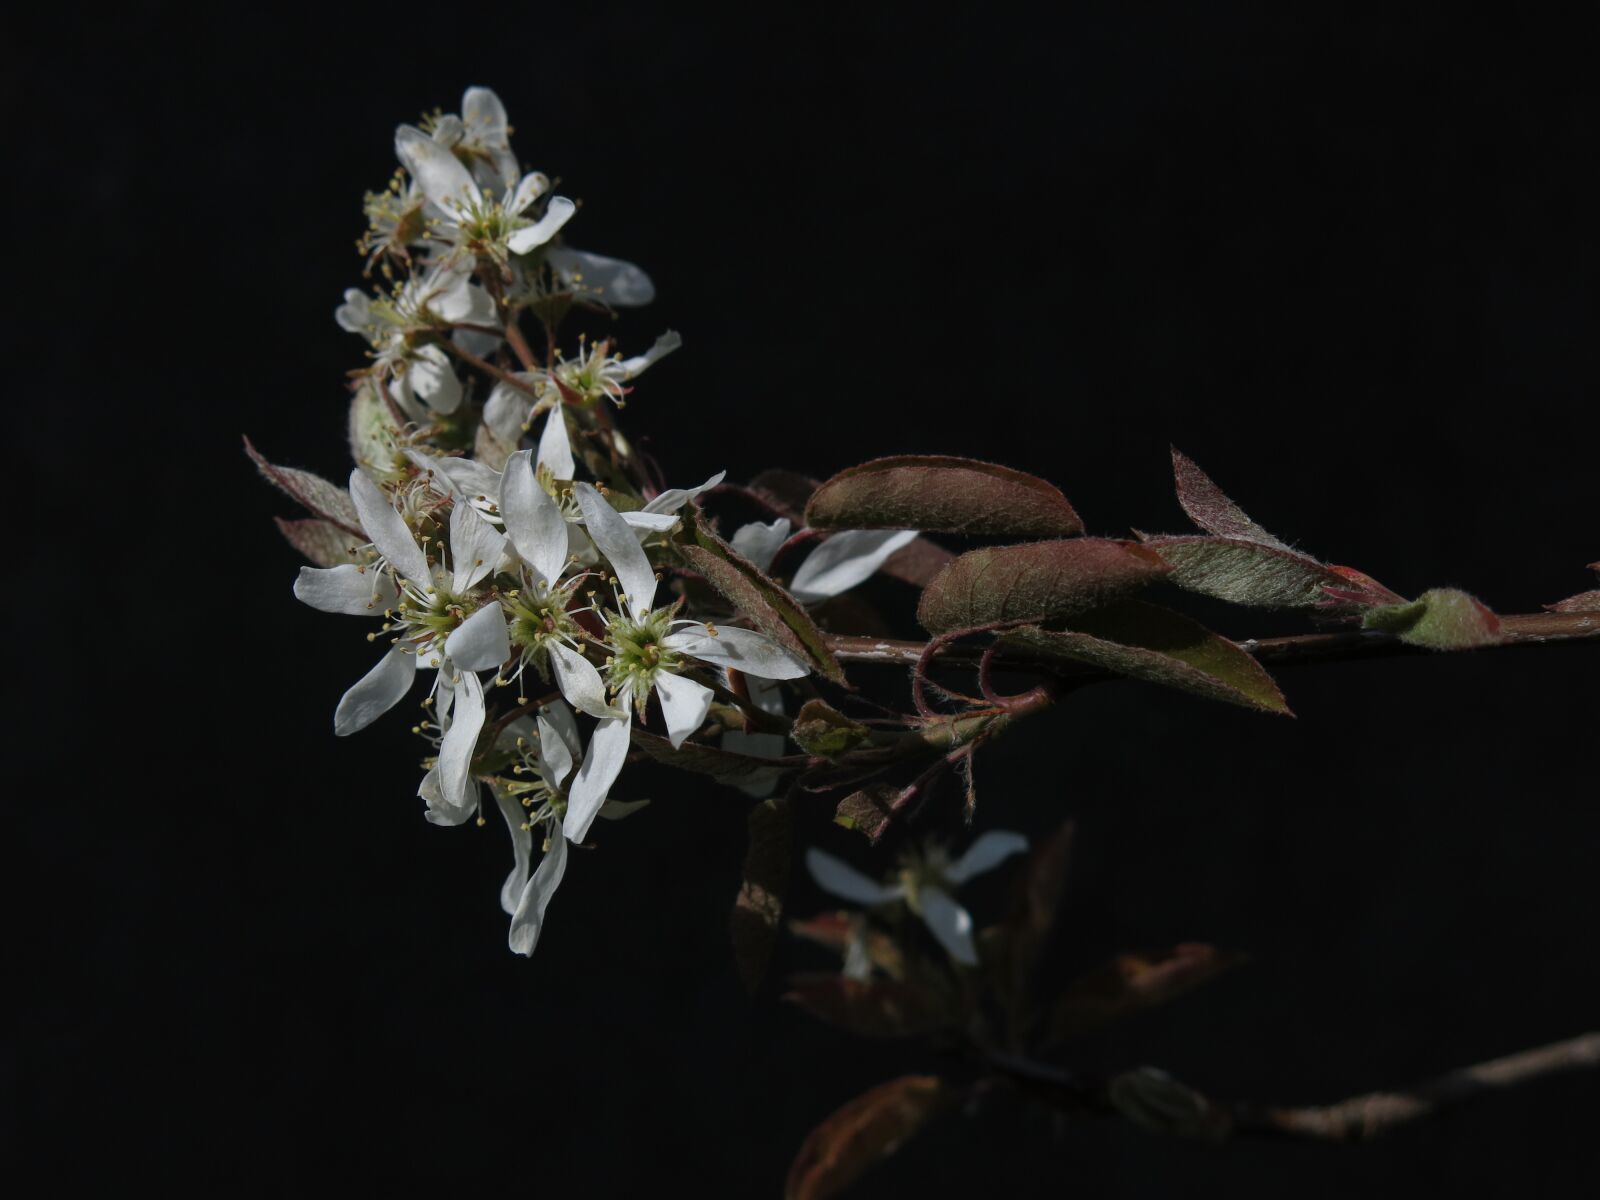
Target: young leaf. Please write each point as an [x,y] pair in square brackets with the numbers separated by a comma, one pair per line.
[1210,509]
[865,1131]
[314,493]
[868,1007]
[1144,641]
[917,562]
[950,495]
[1439,619]
[867,810]
[1038,581]
[759,906]
[323,542]
[825,732]
[1582,602]
[1131,983]
[1246,572]
[773,611]
[725,766]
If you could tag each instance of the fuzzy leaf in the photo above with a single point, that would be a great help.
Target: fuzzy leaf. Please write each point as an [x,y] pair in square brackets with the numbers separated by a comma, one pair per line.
[1246,572]
[1035,900]
[1582,602]
[753,924]
[785,492]
[773,611]
[1439,619]
[867,810]
[822,730]
[314,493]
[1131,983]
[1210,509]
[863,1132]
[1144,641]
[837,931]
[1039,581]
[323,542]
[725,766]
[950,495]
[917,562]
[868,1007]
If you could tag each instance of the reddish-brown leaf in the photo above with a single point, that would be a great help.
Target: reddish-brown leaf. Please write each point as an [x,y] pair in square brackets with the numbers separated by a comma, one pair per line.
[1209,508]
[725,766]
[314,493]
[1038,581]
[867,810]
[1145,641]
[868,1007]
[1131,983]
[1582,602]
[941,494]
[759,906]
[864,1132]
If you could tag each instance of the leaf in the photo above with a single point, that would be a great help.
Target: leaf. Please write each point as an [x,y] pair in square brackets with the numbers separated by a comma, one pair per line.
[1151,1098]
[941,494]
[323,542]
[822,730]
[867,810]
[753,924]
[785,492]
[725,766]
[1039,581]
[1145,641]
[868,1007]
[836,931]
[1131,983]
[1439,619]
[774,611]
[1582,602]
[1246,572]
[864,1132]
[1210,509]
[314,493]
[917,562]
[1035,900]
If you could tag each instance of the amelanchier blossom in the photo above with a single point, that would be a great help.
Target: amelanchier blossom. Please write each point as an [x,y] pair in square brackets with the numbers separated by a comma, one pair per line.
[925,882]
[847,558]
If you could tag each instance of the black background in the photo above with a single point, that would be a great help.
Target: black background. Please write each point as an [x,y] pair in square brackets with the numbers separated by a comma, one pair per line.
[1345,262]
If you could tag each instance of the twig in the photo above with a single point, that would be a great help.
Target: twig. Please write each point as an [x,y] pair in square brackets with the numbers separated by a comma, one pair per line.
[1364,1117]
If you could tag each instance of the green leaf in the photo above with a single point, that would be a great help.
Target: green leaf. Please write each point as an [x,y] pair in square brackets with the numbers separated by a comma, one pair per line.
[725,766]
[1246,572]
[745,586]
[822,730]
[940,494]
[1209,508]
[323,542]
[1144,641]
[758,908]
[1040,581]
[864,1132]
[1439,619]
[1132,983]
[868,1007]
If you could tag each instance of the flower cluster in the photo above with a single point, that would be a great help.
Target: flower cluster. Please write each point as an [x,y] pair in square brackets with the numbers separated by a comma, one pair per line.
[500,531]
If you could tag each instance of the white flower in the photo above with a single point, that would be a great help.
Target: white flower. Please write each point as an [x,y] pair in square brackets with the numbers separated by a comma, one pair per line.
[844,560]
[648,649]
[925,882]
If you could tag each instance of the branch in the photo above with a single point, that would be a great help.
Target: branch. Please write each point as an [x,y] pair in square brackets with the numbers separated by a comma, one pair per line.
[1361,1118]
[1521,629]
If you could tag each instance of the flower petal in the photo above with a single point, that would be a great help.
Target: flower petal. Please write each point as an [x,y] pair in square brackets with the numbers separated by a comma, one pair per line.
[742,649]
[556,214]
[516,818]
[507,408]
[620,545]
[526,190]
[845,560]
[480,642]
[475,546]
[432,377]
[988,852]
[376,692]
[455,750]
[579,682]
[608,750]
[347,588]
[950,923]
[647,523]
[527,922]
[684,704]
[616,281]
[388,529]
[440,175]
[673,499]
[533,521]
[664,345]
[555,446]
[845,881]
[559,745]
[760,543]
